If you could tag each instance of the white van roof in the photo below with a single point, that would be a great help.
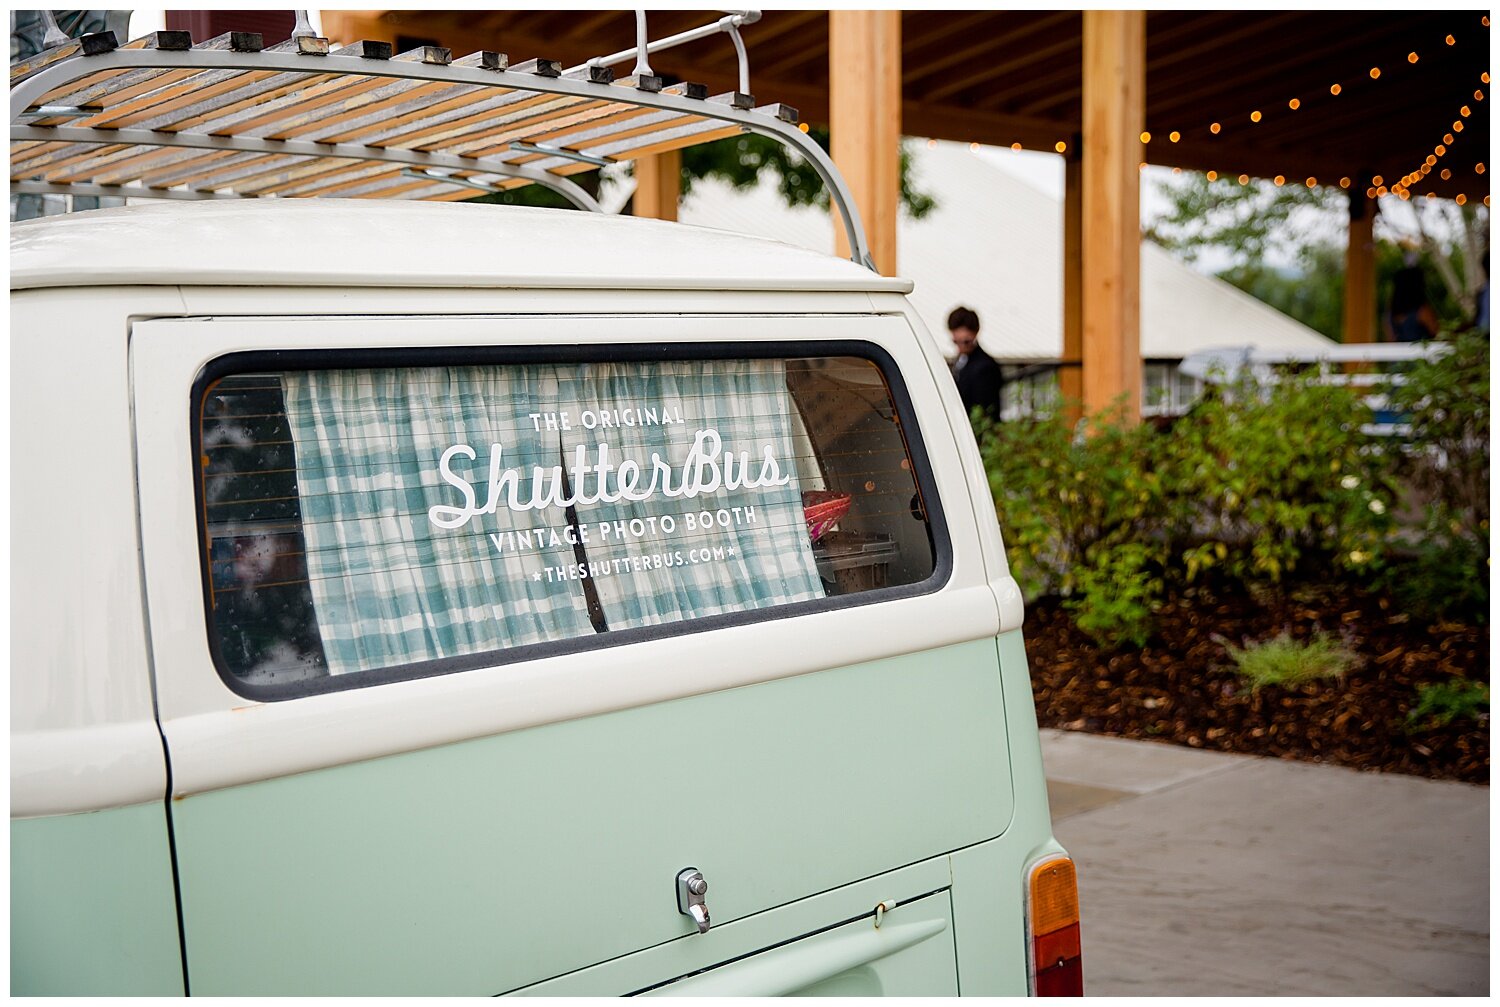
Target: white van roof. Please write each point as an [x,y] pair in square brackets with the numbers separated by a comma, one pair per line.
[336,242]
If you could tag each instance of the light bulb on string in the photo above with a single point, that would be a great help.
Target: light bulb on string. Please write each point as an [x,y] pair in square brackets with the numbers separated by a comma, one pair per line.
[1060,147]
[1458,125]
[1450,40]
[1244,179]
[1213,176]
[1374,73]
[1015,146]
[1311,182]
[1255,116]
[1479,168]
[1214,128]
[1460,199]
[1411,57]
[1445,174]
[1335,89]
[1447,137]
[1145,136]
[1377,180]
[1174,136]
[1279,180]
[1344,182]
[1294,104]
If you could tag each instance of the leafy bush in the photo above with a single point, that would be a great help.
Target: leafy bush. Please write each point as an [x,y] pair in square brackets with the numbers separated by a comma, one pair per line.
[1287,662]
[1065,496]
[1262,479]
[1253,484]
[1115,595]
[1447,464]
[1441,703]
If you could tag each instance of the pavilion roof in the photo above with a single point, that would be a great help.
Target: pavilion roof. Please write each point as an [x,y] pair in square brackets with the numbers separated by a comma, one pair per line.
[1007,77]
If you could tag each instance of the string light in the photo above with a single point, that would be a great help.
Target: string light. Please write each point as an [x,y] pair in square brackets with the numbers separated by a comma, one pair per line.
[1177,171]
[1015,146]
[1279,180]
[1060,147]
[1214,128]
[1344,182]
[804,126]
[1479,168]
[1142,166]
[932,145]
[1458,125]
[1244,179]
[1411,57]
[1465,111]
[1485,77]
[1255,116]
[1335,89]
[1374,73]
[1213,176]
[1174,136]
[1447,137]
[1431,159]
[1450,40]
[1370,192]
[1445,174]
[1294,104]
[1479,96]
[1440,150]
[1378,180]
[1460,199]
[1311,182]
[1145,137]
[1486,201]
[973,148]
[1381,191]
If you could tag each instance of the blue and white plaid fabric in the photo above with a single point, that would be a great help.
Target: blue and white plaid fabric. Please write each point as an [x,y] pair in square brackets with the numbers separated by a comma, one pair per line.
[390,587]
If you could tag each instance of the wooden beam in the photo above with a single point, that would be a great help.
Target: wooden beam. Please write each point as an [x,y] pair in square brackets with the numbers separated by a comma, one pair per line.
[658,183]
[1070,374]
[864,72]
[1359,267]
[1114,109]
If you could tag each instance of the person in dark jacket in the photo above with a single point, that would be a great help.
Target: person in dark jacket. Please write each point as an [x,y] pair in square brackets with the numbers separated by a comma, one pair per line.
[974,371]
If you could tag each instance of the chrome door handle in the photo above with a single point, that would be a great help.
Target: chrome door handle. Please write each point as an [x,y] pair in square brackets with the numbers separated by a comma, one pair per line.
[692,886]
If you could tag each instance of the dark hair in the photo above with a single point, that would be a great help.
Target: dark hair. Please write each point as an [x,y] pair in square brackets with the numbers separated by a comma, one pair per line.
[963,318]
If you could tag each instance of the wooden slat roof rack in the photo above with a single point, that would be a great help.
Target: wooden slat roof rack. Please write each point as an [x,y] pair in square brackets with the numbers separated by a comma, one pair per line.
[163,117]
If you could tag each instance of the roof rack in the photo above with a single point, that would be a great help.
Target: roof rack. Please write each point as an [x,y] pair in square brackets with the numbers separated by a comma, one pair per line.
[163,117]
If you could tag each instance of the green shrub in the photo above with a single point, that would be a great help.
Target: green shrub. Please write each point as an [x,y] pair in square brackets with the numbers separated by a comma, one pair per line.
[1264,479]
[1115,594]
[1447,466]
[1286,662]
[1441,703]
[1066,496]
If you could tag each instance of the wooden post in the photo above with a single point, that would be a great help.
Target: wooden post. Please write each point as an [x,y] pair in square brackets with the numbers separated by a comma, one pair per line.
[658,181]
[1114,110]
[1359,268]
[864,91]
[1070,374]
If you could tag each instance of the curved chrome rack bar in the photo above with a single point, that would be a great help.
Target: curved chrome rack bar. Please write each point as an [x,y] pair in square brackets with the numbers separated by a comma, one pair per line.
[597,118]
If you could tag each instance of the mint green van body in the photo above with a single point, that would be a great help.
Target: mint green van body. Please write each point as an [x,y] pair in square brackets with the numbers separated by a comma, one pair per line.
[857,777]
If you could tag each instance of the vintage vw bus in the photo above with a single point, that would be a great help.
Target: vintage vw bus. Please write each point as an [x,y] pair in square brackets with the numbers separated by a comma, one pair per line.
[427,598]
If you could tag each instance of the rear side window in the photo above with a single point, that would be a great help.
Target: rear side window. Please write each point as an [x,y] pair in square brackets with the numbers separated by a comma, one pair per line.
[368,523]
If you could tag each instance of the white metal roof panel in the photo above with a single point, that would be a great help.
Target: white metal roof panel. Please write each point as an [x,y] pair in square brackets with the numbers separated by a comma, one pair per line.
[408,244]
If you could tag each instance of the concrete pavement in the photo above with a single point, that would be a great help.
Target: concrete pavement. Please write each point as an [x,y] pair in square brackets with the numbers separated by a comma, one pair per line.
[1203,873]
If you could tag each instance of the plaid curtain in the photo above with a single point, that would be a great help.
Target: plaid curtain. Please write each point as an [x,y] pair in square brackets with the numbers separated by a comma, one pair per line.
[390,587]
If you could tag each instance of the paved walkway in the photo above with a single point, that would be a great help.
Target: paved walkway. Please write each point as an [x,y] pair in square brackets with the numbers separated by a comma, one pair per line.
[1203,873]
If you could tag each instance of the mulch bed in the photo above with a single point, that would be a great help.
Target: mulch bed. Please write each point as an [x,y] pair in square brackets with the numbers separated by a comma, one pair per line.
[1182,685]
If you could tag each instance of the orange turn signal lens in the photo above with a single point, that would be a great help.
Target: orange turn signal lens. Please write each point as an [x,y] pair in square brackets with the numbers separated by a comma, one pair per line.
[1056,948]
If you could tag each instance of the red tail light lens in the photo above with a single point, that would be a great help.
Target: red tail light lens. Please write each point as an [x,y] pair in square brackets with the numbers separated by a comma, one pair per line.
[1056,949]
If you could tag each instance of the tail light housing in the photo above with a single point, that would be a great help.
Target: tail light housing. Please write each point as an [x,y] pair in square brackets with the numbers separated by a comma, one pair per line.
[1056,953]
